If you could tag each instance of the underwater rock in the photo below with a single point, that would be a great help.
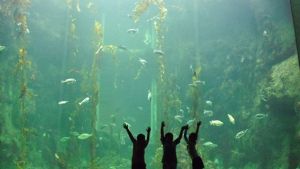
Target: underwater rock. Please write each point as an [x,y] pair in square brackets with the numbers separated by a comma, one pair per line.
[285,80]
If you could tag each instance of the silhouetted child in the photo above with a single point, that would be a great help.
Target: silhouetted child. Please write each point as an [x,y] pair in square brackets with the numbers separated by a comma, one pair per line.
[191,147]
[169,159]
[139,146]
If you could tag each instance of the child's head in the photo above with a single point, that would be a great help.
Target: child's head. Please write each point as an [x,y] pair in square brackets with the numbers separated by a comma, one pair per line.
[141,138]
[169,137]
[193,137]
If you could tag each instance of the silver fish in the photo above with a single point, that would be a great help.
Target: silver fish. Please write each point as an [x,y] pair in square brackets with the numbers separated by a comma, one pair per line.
[231,118]
[133,30]
[208,102]
[158,52]
[85,100]
[216,123]
[190,122]
[149,95]
[2,48]
[260,116]
[64,139]
[178,118]
[241,134]
[142,61]
[84,136]
[63,102]
[208,113]
[69,81]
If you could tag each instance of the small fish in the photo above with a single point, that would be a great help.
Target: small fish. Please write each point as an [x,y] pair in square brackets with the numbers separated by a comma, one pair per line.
[181,111]
[231,119]
[78,6]
[64,139]
[158,52]
[63,102]
[56,156]
[208,113]
[85,100]
[113,124]
[241,134]
[149,95]
[199,82]
[122,47]
[260,116]
[2,48]
[190,122]
[100,49]
[216,123]
[84,136]
[178,118]
[74,133]
[191,68]
[140,108]
[133,30]
[69,81]
[142,61]
[265,33]
[210,144]
[89,5]
[208,102]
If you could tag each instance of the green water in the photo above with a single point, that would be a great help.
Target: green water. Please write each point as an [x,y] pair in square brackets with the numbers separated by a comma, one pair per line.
[72,72]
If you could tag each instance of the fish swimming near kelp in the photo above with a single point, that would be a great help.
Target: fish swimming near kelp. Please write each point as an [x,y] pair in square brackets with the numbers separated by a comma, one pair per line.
[85,100]
[69,81]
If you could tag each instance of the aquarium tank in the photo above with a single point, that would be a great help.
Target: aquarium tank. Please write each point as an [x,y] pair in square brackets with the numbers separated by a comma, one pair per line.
[72,72]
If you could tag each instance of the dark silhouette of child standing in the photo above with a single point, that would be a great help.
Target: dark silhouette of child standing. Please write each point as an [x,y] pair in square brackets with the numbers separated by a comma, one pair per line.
[169,159]
[139,146]
[191,147]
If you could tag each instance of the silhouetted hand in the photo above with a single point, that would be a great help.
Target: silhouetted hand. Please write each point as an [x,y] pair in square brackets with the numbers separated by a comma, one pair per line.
[186,127]
[199,123]
[148,129]
[125,126]
[163,124]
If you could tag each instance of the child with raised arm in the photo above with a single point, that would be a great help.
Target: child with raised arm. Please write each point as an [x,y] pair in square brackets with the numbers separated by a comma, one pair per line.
[191,147]
[169,159]
[139,146]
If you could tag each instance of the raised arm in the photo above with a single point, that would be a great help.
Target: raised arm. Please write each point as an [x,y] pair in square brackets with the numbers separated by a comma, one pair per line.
[197,130]
[185,134]
[129,133]
[177,141]
[148,135]
[162,133]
